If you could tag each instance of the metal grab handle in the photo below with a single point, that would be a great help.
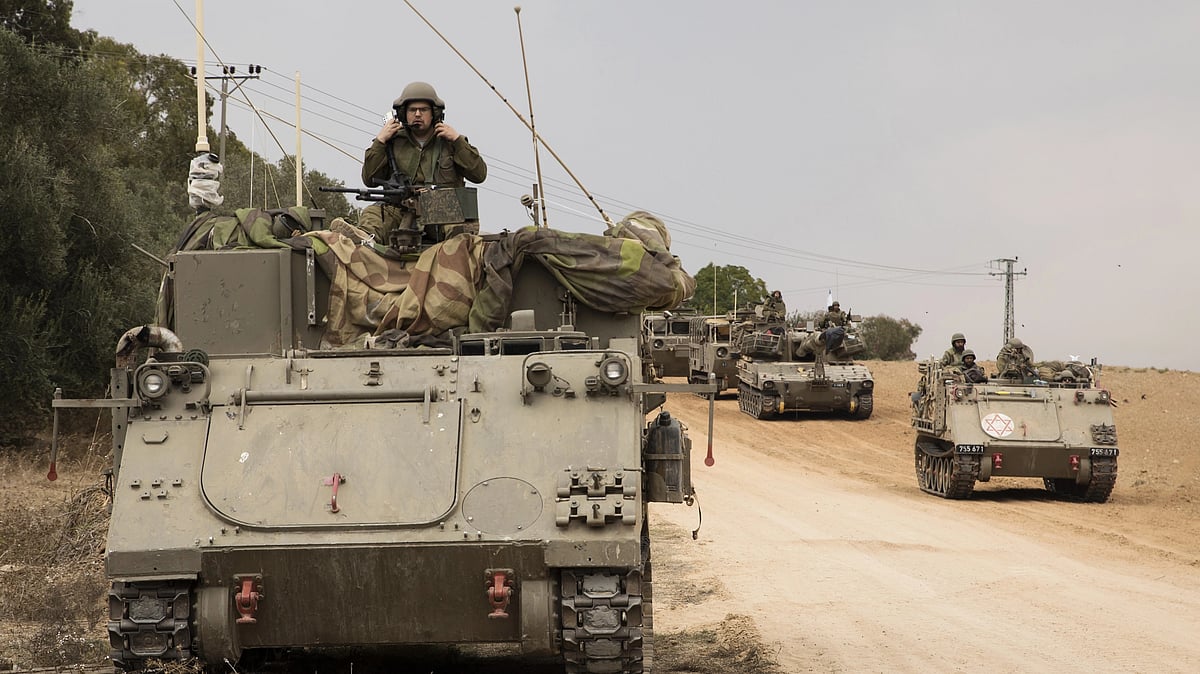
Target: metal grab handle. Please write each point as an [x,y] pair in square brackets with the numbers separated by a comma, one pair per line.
[334,482]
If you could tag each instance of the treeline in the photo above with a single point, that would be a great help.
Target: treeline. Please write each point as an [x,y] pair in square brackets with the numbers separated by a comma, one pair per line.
[95,140]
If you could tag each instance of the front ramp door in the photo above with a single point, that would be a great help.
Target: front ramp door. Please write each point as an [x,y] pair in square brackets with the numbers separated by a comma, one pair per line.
[398,463]
[1021,420]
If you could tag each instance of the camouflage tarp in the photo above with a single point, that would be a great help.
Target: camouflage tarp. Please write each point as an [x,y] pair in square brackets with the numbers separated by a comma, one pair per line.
[628,269]
[465,281]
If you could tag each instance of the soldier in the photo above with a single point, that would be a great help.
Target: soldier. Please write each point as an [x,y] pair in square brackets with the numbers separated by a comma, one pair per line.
[1015,359]
[954,355]
[970,370]
[835,317]
[426,149]
[774,309]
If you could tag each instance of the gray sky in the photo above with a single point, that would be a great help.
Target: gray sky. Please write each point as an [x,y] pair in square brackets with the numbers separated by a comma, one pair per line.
[886,151]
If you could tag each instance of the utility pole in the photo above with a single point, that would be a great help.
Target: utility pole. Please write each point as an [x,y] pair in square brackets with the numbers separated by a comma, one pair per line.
[1009,323]
[228,73]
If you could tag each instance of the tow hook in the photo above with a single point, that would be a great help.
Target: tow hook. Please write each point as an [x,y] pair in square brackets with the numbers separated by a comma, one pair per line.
[246,600]
[499,591]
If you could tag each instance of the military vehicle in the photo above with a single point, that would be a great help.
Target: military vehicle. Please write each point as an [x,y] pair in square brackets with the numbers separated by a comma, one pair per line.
[667,337]
[1056,425]
[712,356]
[271,492]
[791,369]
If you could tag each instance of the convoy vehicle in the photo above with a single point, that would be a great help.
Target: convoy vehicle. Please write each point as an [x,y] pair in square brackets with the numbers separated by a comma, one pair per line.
[1059,428]
[666,335]
[272,491]
[712,355]
[792,369]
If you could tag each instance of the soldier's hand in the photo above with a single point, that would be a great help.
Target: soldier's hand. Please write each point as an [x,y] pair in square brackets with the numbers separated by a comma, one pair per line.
[446,131]
[390,129]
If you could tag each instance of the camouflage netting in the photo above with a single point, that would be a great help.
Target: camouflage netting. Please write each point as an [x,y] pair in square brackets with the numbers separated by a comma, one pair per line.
[465,281]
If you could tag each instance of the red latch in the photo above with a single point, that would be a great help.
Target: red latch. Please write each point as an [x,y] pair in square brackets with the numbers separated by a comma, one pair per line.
[334,482]
[499,592]
[246,601]
[997,461]
[1075,462]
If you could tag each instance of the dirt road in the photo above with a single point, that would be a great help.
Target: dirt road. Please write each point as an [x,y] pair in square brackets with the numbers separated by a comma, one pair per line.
[816,531]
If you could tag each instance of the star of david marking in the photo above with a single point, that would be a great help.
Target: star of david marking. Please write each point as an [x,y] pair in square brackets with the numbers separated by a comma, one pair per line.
[998,425]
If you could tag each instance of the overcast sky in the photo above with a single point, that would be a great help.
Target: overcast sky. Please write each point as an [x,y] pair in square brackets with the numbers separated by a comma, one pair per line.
[887,151]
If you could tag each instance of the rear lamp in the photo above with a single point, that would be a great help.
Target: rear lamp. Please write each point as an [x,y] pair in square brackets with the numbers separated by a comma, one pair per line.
[613,371]
[722,352]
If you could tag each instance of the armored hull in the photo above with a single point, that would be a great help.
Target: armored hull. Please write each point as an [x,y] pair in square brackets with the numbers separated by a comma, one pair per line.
[768,389]
[712,353]
[667,345]
[968,432]
[798,370]
[270,493]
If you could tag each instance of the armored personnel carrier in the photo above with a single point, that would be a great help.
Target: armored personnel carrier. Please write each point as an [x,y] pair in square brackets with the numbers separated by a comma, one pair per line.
[482,485]
[784,369]
[667,337]
[1059,428]
[712,354]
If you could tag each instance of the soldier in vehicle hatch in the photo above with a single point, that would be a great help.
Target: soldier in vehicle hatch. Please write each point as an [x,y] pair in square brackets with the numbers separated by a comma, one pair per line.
[954,355]
[426,149]
[834,318]
[774,309]
[1015,360]
[970,370]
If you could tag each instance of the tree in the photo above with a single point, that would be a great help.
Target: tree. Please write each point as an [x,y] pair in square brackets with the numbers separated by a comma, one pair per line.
[42,22]
[887,338]
[731,282]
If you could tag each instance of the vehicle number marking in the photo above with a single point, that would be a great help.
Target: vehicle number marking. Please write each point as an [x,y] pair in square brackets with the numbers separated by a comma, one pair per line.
[969,449]
[997,425]
[1105,451]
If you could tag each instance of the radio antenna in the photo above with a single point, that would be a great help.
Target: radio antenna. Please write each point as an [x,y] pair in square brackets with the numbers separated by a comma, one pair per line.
[540,217]
[516,112]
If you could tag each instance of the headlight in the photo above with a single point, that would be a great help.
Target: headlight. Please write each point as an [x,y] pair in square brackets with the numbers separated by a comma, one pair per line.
[769,385]
[868,384]
[538,375]
[613,371]
[152,384]
[722,352]
[658,344]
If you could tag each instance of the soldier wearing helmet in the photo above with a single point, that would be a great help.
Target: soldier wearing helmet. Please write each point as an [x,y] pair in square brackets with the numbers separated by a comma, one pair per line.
[774,309]
[426,149]
[1015,360]
[970,370]
[954,355]
[833,318]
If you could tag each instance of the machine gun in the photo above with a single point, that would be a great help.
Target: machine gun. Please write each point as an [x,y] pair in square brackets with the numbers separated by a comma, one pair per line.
[395,190]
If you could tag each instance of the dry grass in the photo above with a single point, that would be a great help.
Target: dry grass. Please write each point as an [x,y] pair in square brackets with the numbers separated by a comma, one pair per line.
[52,585]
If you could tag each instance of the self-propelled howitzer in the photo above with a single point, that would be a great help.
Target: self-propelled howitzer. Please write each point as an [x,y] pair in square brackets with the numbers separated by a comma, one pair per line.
[785,369]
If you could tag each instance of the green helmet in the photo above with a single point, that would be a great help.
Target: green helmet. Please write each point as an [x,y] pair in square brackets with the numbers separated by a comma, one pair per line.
[418,91]
[968,352]
[956,337]
[1016,343]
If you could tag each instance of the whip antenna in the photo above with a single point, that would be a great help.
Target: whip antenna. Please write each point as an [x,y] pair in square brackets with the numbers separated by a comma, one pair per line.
[540,217]
[521,117]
